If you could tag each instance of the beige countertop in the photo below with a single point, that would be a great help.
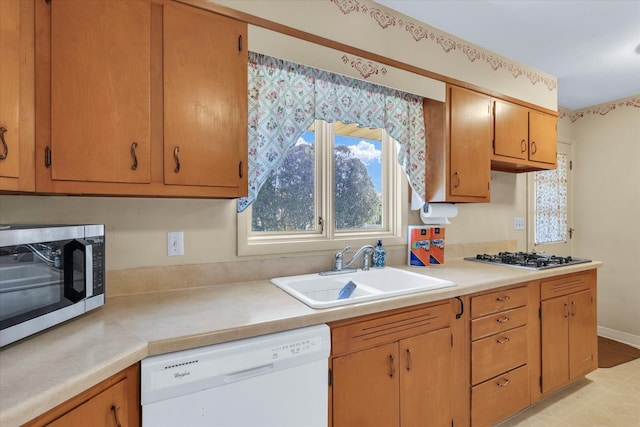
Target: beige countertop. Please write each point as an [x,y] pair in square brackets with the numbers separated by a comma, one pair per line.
[40,372]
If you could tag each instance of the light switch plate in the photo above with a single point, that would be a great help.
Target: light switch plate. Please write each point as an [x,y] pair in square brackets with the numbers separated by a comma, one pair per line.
[518,223]
[175,243]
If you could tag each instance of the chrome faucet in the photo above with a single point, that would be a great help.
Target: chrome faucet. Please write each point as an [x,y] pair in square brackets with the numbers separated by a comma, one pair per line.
[339,266]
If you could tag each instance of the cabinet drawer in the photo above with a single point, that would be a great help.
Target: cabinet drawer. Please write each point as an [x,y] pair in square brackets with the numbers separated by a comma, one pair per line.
[384,329]
[498,322]
[564,285]
[500,397]
[498,301]
[104,409]
[498,353]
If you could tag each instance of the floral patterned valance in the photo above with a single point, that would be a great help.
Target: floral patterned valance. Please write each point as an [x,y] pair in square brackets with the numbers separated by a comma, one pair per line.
[285,98]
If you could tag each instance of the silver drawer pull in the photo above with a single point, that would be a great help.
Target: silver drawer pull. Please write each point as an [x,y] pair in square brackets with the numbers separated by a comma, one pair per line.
[503,382]
[392,366]
[502,340]
[503,299]
[503,319]
[409,360]
[116,414]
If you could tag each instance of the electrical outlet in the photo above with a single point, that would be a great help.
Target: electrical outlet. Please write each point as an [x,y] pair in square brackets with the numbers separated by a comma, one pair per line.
[175,243]
[518,223]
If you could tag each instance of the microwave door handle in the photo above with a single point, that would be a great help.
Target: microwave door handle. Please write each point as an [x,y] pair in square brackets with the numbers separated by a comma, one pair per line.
[70,292]
[88,268]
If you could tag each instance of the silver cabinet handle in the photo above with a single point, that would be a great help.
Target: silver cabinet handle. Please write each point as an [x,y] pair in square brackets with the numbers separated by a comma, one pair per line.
[392,366]
[5,147]
[134,165]
[503,382]
[409,360]
[176,157]
[456,180]
[116,414]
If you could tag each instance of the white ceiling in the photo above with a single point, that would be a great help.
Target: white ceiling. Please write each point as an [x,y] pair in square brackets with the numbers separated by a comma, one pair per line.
[591,46]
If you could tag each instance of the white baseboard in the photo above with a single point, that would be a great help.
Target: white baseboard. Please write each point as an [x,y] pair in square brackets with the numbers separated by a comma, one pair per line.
[633,340]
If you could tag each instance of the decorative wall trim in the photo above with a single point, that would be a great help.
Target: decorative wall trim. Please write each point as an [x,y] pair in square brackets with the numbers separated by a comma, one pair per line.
[419,32]
[601,109]
[364,67]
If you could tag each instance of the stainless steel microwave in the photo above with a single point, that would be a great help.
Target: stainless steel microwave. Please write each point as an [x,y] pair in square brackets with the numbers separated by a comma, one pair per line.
[48,274]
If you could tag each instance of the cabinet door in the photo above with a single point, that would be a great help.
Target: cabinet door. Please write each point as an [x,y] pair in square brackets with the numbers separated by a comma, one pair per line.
[543,137]
[582,330]
[100,90]
[555,343]
[9,88]
[470,127]
[107,409]
[205,98]
[511,130]
[425,380]
[366,388]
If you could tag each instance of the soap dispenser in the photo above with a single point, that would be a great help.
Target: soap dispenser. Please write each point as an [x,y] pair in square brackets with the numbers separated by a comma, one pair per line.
[379,255]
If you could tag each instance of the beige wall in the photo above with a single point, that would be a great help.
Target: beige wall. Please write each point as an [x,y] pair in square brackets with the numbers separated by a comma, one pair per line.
[137,228]
[607,205]
[372,27]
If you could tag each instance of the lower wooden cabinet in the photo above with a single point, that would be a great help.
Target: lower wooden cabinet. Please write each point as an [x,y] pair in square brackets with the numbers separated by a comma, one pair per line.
[500,397]
[395,369]
[569,329]
[500,352]
[115,402]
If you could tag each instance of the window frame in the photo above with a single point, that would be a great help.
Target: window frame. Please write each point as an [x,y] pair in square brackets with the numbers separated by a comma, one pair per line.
[395,204]
[561,248]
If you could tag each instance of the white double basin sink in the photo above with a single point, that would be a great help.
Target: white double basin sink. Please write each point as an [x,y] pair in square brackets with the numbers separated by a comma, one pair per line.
[319,291]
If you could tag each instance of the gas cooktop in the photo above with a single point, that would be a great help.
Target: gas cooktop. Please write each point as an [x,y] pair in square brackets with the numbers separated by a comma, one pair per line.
[530,261]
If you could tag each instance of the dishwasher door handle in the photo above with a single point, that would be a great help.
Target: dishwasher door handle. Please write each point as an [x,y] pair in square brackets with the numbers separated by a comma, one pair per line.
[248,373]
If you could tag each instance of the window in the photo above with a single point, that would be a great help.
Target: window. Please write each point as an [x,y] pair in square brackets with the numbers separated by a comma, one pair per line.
[339,184]
[551,189]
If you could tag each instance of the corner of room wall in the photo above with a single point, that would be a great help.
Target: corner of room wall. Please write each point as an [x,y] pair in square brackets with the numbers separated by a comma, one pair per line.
[607,205]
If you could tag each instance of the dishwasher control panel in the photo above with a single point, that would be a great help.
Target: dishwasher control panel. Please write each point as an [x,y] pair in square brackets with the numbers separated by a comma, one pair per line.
[295,348]
[200,368]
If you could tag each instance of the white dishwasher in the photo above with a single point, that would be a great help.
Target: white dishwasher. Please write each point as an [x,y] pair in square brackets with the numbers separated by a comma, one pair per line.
[275,380]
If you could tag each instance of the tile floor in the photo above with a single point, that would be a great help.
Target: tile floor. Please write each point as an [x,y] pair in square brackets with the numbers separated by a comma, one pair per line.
[608,397]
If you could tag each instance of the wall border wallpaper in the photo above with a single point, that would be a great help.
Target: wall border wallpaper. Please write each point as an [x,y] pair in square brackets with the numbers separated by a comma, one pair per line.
[419,32]
[600,109]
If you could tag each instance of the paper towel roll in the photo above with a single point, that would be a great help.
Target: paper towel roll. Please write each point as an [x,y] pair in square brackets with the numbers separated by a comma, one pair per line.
[438,213]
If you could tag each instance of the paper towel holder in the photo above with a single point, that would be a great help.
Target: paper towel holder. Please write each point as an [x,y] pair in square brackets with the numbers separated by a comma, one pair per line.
[445,211]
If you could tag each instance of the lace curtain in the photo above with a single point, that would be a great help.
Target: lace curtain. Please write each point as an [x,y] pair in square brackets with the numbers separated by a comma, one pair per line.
[551,203]
[285,98]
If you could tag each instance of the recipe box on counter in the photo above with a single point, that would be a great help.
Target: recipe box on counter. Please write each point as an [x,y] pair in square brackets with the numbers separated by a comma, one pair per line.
[425,245]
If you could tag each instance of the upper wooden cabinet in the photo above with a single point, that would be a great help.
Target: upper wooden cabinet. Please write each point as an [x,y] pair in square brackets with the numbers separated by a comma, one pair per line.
[140,98]
[16,96]
[458,146]
[100,91]
[205,116]
[524,140]
[9,88]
